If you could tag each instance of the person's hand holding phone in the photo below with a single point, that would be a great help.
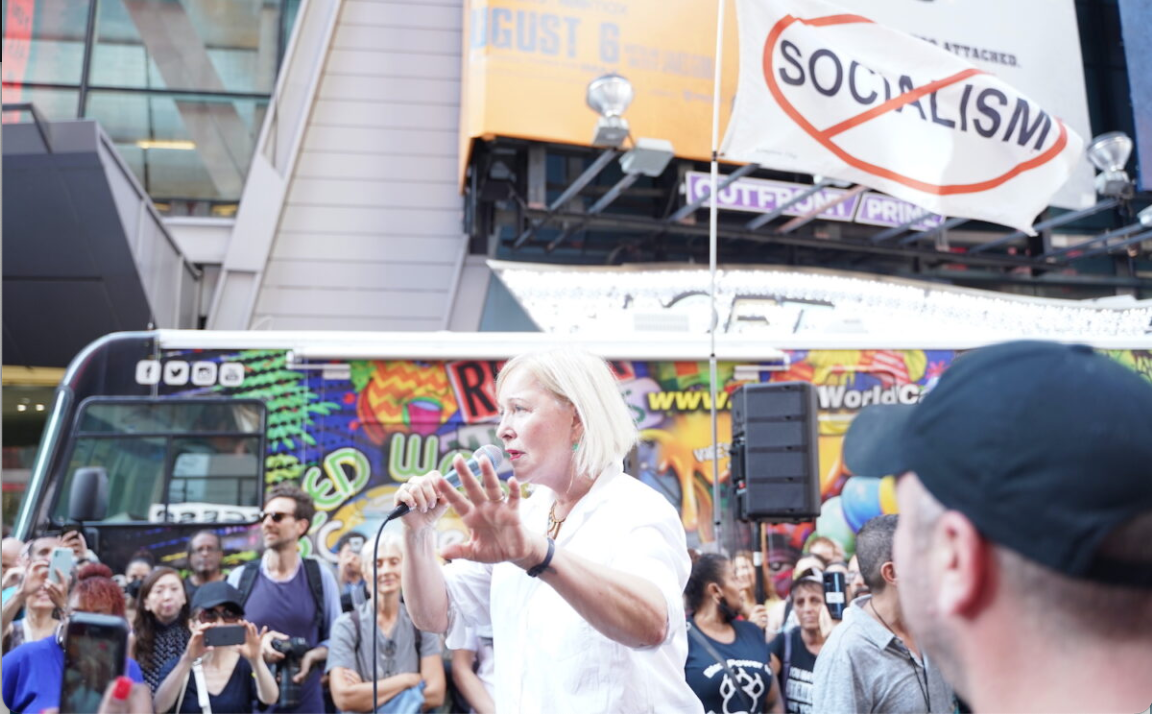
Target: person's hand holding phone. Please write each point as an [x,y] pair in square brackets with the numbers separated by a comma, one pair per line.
[196,645]
[58,589]
[252,648]
[75,541]
[61,565]
[137,699]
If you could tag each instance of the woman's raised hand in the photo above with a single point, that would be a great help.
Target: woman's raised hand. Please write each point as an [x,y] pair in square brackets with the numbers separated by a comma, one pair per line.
[34,578]
[420,495]
[497,534]
[196,647]
[253,639]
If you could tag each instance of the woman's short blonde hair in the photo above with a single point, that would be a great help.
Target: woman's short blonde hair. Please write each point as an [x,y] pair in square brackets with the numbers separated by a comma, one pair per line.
[388,539]
[586,382]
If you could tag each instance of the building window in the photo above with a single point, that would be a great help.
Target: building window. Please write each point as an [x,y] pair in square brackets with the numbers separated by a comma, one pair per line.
[181,86]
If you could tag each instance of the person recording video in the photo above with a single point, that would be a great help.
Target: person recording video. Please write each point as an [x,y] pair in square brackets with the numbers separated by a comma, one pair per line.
[237,672]
[35,671]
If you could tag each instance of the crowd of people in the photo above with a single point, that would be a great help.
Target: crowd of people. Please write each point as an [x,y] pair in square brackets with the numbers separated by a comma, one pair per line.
[584,596]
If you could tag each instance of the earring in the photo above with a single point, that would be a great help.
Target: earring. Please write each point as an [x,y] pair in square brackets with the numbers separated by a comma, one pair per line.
[576,446]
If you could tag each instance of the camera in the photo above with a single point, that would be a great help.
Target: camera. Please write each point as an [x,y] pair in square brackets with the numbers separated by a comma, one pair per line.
[293,649]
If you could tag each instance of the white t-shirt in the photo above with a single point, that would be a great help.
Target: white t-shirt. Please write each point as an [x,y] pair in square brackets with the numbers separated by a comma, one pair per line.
[548,657]
[480,642]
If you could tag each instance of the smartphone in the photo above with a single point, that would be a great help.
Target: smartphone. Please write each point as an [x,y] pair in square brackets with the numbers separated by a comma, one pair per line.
[95,653]
[62,559]
[224,635]
[834,595]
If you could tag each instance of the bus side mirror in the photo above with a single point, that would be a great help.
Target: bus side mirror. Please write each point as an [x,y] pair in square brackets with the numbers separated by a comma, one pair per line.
[89,498]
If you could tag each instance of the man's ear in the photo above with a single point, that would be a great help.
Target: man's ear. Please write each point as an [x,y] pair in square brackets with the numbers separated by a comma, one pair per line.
[888,572]
[307,527]
[965,566]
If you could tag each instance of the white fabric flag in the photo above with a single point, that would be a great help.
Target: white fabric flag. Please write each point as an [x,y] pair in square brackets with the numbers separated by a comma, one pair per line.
[832,93]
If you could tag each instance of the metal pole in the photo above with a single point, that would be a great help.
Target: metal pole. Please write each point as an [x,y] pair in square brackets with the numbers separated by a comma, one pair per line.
[712,229]
[1139,238]
[811,215]
[578,185]
[779,210]
[1050,223]
[86,62]
[728,180]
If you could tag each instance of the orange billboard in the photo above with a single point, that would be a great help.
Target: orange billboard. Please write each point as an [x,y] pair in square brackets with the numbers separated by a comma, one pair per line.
[527,65]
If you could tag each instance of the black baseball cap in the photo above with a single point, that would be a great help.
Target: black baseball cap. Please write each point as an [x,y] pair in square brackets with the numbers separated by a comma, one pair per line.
[1045,447]
[210,595]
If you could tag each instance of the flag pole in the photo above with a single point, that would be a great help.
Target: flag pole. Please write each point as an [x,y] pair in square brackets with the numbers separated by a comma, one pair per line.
[712,324]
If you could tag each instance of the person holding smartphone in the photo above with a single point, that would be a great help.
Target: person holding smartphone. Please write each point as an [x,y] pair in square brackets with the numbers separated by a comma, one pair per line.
[40,596]
[34,672]
[225,648]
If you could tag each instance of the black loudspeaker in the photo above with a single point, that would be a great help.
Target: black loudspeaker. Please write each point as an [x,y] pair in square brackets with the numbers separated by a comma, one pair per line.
[774,452]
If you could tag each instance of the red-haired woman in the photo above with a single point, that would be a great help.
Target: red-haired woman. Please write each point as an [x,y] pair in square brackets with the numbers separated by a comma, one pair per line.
[34,671]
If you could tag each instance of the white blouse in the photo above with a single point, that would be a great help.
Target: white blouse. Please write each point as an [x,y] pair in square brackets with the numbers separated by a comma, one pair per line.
[548,657]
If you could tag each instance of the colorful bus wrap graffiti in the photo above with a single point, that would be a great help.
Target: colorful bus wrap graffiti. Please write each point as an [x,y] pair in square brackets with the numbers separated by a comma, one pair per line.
[352,436]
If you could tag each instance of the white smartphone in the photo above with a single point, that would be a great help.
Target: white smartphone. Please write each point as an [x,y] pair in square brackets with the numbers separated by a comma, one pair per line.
[62,560]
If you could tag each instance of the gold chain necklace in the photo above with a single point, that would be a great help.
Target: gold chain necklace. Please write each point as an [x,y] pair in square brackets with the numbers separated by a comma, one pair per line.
[554,523]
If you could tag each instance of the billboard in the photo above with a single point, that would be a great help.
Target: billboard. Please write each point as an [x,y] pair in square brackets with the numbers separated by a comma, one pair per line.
[527,64]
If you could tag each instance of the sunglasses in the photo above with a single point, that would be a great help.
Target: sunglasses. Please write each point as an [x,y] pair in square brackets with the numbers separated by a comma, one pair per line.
[210,616]
[276,517]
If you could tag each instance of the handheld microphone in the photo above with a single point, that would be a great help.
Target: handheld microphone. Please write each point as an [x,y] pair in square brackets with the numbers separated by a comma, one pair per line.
[488,451]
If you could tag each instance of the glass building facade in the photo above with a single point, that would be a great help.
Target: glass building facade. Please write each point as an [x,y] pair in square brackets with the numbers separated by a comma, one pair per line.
[181,86]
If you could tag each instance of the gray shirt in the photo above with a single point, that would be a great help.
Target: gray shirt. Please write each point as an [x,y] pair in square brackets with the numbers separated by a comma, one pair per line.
[394,655]
[863,667]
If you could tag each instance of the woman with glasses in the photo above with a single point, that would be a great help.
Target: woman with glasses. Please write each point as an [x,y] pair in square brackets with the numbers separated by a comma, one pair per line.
[408,663]
[582,581]
[161,623]
[234,678]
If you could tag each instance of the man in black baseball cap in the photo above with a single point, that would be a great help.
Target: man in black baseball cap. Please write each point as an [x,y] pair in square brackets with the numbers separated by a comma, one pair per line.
[1025,536]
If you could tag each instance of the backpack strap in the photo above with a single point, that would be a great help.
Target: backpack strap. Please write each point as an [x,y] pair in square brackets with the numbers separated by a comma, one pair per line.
[357,628]
[316,585]
[248,580]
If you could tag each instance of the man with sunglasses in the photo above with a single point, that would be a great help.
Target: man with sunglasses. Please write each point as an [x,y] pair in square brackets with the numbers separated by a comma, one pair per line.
[290,595]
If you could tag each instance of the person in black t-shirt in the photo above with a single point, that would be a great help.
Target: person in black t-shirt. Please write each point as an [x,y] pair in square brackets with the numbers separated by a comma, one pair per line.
[237,673]
[794,651]
[713,597]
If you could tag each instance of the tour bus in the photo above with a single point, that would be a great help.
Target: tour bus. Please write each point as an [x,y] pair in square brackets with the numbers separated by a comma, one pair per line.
[155,435]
